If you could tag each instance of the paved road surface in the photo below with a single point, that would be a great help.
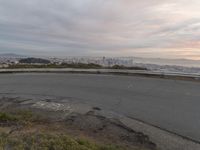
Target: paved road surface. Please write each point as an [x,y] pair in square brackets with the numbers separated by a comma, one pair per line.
[169,104]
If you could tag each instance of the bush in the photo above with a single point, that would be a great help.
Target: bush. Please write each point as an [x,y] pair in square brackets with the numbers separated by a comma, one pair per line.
[7,117]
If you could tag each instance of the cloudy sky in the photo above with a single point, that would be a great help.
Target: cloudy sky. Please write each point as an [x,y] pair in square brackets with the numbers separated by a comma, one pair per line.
[146,28]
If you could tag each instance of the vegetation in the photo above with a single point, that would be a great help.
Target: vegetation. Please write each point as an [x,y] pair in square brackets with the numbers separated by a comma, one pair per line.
[34,61]
[41,139]
[4,117]
[82,65]
[64,65]
[124,67]
[44,141]
[43,63]
[73,65]
[19,116]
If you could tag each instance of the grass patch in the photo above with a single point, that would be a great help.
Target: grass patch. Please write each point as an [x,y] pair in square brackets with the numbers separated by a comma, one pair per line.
[44,141]
[41,140]
[20,116]
[7,117]
[24,115]
[33,134]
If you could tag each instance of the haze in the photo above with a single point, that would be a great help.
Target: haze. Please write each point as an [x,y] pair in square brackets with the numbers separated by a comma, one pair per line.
[145,28]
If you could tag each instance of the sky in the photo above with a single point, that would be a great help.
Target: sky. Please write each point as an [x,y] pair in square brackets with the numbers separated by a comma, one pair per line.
[144,28]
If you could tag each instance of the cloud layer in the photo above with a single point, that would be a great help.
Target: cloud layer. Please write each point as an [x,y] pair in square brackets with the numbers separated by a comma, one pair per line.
[149,28]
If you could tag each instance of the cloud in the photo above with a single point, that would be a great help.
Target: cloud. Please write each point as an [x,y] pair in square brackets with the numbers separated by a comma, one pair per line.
[100,27]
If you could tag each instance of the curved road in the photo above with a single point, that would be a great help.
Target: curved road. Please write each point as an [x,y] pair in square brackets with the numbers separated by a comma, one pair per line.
[170,104]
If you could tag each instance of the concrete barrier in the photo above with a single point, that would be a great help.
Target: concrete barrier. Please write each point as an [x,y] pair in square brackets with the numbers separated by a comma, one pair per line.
[106,71]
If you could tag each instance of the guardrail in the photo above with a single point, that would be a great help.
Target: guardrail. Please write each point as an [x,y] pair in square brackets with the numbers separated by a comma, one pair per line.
[105,71]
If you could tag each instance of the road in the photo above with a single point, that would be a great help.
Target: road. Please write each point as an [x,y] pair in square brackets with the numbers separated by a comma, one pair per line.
[173,105]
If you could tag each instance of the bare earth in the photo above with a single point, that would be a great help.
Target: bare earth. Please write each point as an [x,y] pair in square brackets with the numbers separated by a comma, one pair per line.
[66,118]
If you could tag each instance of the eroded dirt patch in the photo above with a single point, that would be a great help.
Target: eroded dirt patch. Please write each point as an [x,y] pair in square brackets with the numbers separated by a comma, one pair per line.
[104,129]
[23,118]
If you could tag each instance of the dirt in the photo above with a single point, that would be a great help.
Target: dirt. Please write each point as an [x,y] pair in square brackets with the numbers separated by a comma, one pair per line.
[102,128]
[65,119]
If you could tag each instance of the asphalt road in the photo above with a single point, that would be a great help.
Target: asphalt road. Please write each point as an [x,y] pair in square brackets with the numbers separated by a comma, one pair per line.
[170,104]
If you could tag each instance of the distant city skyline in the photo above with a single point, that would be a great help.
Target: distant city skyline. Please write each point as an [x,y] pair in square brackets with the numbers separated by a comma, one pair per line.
[112,28]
